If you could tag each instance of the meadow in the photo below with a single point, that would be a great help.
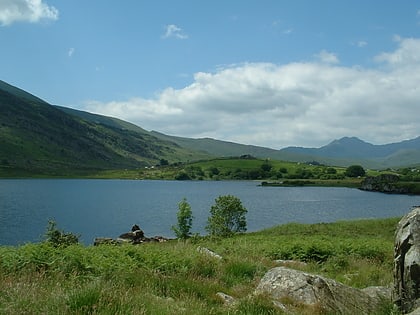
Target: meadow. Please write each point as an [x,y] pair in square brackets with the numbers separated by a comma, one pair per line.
[175,278]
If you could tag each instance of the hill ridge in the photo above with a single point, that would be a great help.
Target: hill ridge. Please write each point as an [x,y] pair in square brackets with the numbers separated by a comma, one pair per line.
[34,132]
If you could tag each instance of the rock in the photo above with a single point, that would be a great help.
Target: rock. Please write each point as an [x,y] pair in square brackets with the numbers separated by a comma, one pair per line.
[284,284]
[208,252]
[415,312]
[407,262]
[227,299]
[379,292]
[134,237]
[104,240]
[385,183]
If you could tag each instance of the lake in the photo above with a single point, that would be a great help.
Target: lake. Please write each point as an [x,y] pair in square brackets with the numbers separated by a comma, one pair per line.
[108,208]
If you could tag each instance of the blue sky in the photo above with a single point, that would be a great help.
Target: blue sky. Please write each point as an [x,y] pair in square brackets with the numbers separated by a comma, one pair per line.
[270,73]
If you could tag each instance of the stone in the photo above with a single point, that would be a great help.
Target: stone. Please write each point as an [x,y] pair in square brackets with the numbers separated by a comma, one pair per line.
[227,299]
[406,293]
[284,284]
[209,252]
[379,292]
[415,312]
[104,240]
[383,183]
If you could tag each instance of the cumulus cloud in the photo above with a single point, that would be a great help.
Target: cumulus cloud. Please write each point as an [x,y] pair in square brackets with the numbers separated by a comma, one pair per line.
[301,103]
[327,57]
[174,31]
[26,11]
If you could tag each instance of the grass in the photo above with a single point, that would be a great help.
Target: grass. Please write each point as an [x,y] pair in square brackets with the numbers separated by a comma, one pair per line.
[174,278]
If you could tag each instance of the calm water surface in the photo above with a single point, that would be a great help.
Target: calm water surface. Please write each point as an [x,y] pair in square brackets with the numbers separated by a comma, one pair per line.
[108,208]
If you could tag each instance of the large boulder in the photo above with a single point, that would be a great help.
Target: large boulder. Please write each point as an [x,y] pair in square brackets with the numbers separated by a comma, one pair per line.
[407,262]
[285,285]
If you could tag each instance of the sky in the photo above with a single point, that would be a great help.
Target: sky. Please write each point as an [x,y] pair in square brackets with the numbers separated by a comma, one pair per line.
[272,73]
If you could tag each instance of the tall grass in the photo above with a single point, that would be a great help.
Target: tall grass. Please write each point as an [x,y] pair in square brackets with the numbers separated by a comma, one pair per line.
[174,278]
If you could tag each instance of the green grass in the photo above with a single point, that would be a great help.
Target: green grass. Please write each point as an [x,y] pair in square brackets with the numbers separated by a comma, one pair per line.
[174,278]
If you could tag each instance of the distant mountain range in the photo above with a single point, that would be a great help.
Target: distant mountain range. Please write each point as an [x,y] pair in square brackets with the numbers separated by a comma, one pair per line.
[352,150]
[41,138]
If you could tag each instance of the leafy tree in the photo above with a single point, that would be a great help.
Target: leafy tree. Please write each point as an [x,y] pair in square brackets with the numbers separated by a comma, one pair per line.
[213,171]
[354,171]
[266,167]
[331,170]
[182,176]
[227,216]
[185,217]
[164,162]
[283,170]
[59,238]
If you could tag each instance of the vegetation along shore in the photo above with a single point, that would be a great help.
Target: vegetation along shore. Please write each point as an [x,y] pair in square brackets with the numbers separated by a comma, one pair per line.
[61,276]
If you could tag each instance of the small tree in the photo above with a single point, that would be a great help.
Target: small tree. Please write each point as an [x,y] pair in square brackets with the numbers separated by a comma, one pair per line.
[227,216]
[185,217]
[354,171]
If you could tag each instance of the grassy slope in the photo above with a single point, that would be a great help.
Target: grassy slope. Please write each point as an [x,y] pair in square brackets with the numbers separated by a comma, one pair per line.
[37,138]
[173,278]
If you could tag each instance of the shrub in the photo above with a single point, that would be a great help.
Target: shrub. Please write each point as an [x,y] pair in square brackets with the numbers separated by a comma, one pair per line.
[59,238]
[227,216]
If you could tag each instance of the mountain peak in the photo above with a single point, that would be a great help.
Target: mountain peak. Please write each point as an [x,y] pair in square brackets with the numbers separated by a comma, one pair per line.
[348,141]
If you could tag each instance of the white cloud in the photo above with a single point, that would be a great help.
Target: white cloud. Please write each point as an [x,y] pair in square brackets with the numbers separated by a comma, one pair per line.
[301,103]
[25,11]
[406,54]
[327,57]
[174,31]
[361,43]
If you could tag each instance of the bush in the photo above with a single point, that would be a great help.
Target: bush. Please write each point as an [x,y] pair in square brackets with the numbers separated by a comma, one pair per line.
[59,238]
[227,216]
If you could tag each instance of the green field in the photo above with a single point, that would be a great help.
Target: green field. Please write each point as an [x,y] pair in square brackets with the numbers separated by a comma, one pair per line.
[174,278]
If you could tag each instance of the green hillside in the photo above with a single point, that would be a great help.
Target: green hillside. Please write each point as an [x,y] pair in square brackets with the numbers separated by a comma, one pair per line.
[37,138]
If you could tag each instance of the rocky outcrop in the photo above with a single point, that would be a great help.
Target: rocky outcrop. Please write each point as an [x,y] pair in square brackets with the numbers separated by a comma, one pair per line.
[385,183]
[407,262]
[135,236]
[283,284]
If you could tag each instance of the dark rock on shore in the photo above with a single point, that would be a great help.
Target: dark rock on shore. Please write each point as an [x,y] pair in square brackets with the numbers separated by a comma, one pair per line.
[385,183]
[135,236]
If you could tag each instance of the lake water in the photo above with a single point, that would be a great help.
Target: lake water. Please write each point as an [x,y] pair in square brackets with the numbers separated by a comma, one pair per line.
[108,208]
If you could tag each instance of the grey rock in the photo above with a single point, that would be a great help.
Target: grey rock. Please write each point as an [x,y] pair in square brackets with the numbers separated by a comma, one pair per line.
[282,283]
[227,299]
[415,312]
[407,262]
[379,292]
[209,252]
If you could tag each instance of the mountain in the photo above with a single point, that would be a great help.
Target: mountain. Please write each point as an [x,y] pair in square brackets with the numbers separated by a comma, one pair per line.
[220,148]
[40,138]
[352,150]
[44,139]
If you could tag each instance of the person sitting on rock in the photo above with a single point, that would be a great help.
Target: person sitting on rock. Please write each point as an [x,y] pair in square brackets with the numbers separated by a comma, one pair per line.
[135,228]
[138,233]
